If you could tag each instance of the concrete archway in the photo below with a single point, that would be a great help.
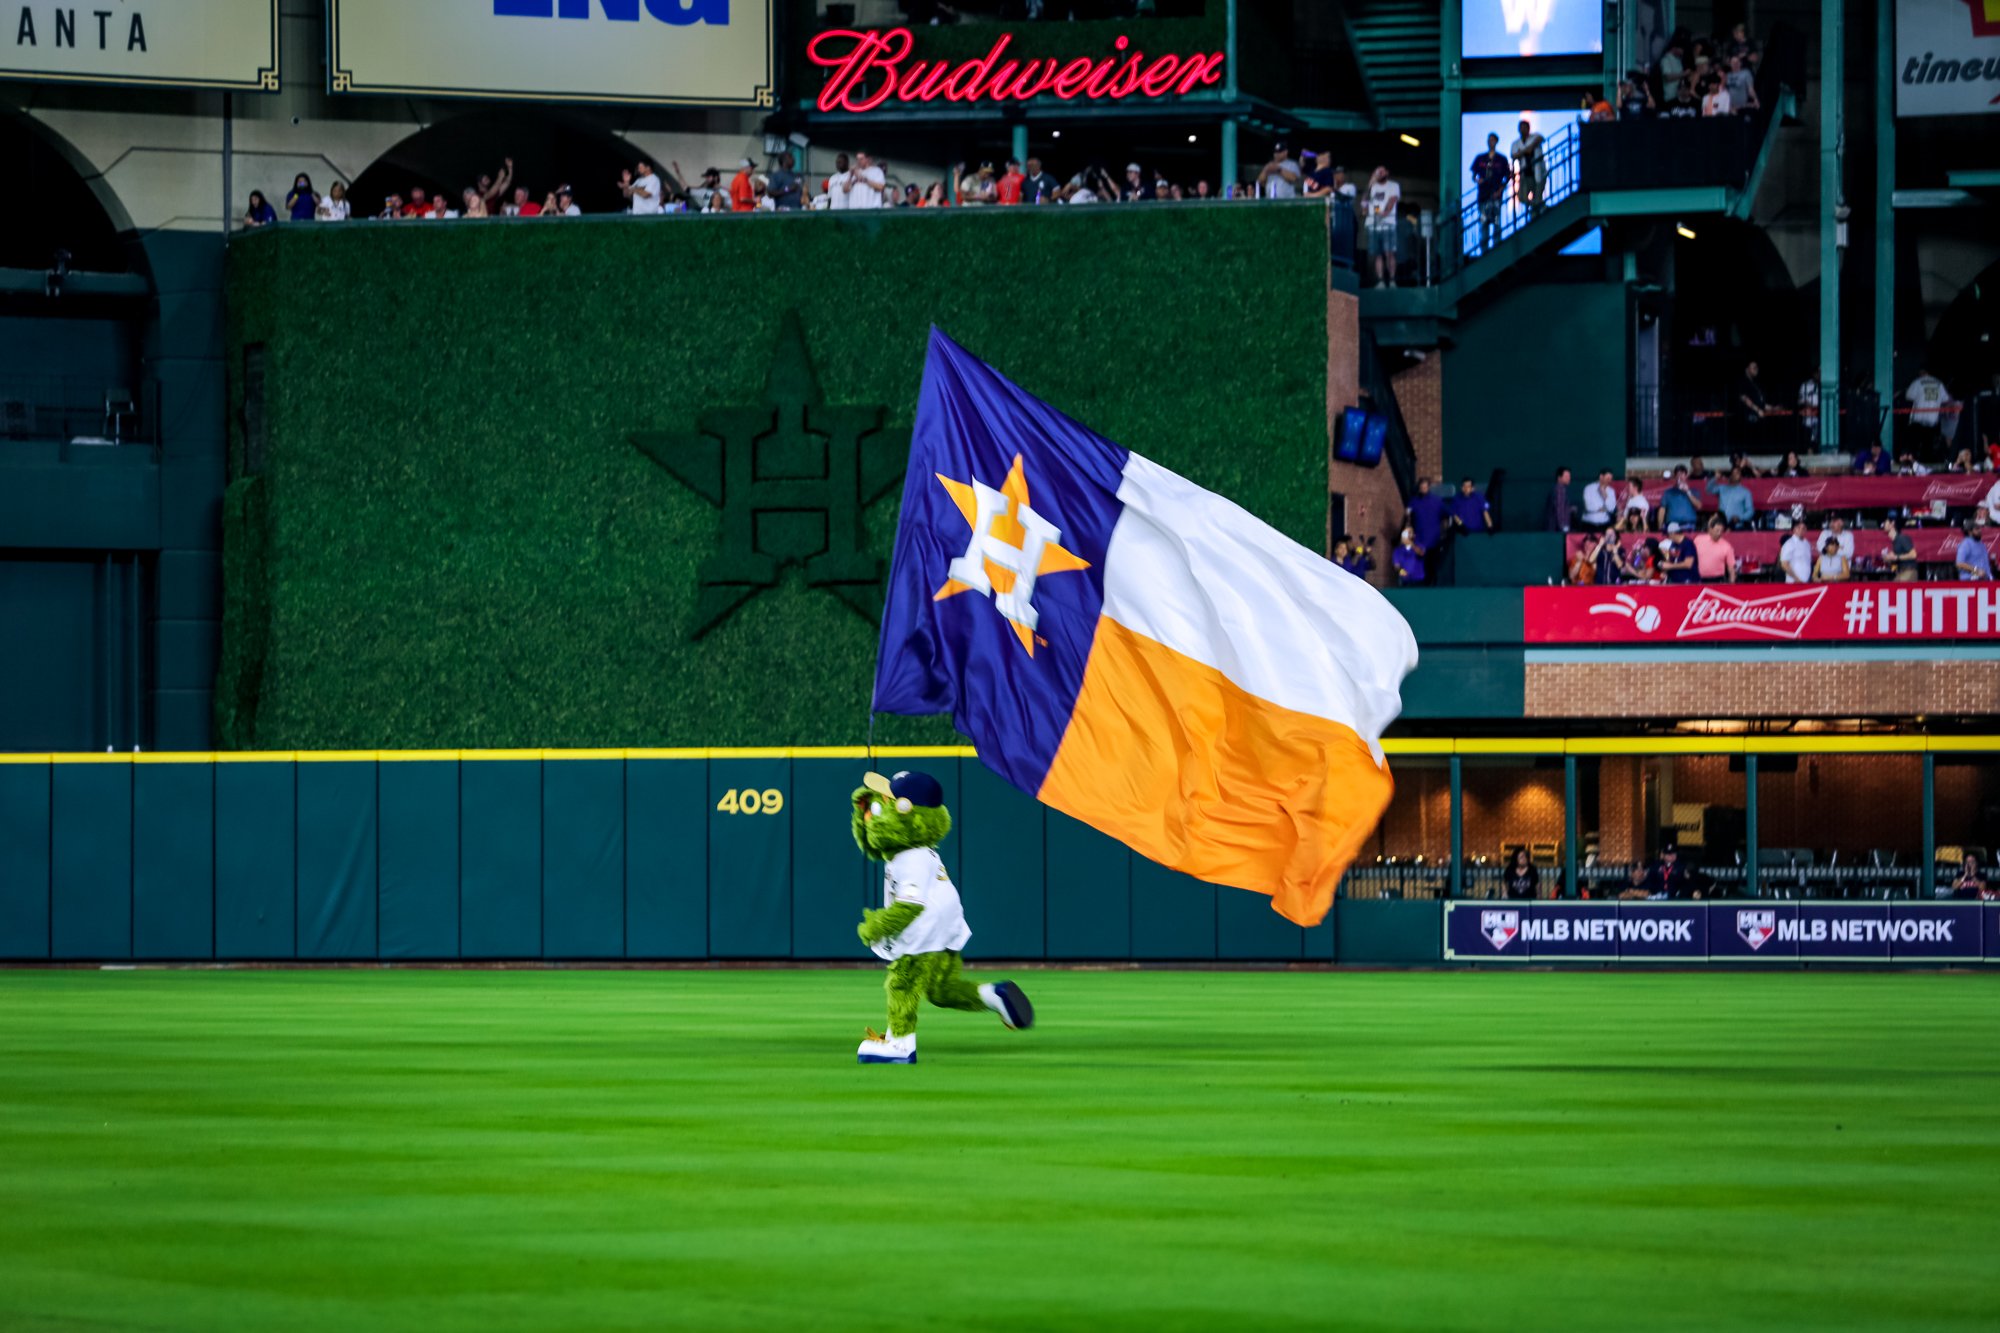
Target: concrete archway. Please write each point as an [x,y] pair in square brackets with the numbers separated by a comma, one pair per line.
[549,148]
[63,202]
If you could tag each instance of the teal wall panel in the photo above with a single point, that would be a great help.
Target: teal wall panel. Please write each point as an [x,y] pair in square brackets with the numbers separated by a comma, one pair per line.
[417,858]
[500,859]
[24,860]
[1389,930]
[173,861]
[583,858]
[666,858]
[1246,929]
[256,863]
[830,876]
[91,861]
[1089,878]
[1173,915]
[998,836]
[336,875]
[749,861]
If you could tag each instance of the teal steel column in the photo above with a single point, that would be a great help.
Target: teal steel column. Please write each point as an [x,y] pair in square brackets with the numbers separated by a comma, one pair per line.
[1832,92]
[1228,155]
[1750,826]
[1451,173]
[1570,886]
[1457,883]
[1229,89]
[1020,150]
[1885,198]
[1928,881]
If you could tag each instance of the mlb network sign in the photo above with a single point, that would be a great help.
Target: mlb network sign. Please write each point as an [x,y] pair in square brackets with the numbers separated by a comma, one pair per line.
[692,52]
[1691,932]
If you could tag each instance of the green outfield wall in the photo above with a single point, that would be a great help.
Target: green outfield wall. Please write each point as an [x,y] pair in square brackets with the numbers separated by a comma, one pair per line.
[440,532]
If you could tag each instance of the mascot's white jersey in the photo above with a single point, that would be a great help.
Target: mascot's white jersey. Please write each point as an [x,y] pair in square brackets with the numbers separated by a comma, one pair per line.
[917,876]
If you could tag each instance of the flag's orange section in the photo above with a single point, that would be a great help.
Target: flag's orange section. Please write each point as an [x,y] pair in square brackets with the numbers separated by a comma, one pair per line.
[1179,763]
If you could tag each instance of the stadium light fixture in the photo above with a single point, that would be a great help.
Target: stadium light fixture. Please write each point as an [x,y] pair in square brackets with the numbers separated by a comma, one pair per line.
[1683,230]
[1190,138]
[1055,134]
[1411,140]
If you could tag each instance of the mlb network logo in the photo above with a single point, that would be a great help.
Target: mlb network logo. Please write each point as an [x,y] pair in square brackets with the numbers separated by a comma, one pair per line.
[680,13]
[1757,925]
[1499,928]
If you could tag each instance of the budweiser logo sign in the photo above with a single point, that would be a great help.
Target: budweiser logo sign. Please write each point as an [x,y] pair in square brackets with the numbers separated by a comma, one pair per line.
[1949,489]
[1780,615]
[1796,493]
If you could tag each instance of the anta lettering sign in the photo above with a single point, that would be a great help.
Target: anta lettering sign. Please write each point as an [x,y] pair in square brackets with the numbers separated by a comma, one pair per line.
[868,71]
[157,43]
[1947,57]
[689,52]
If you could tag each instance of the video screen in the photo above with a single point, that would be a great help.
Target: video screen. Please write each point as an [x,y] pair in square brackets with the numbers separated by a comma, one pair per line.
[1510,28]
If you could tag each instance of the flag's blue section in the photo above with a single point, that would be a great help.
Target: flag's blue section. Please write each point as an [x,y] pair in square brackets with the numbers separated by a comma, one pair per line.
[960,655]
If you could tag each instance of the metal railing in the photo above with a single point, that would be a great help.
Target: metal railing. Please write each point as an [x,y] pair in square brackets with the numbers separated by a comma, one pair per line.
[1421,878]
[68,407]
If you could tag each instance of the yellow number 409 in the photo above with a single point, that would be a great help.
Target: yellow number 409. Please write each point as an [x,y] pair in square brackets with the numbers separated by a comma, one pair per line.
[750,801]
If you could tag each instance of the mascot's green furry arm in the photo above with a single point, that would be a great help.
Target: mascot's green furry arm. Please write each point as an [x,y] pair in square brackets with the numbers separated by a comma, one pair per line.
[920,927]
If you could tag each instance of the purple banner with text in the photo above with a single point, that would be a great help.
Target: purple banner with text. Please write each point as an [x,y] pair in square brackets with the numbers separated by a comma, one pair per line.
[1701,932]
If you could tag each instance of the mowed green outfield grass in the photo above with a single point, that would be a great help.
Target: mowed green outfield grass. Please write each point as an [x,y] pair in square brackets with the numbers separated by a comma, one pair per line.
[294,1151]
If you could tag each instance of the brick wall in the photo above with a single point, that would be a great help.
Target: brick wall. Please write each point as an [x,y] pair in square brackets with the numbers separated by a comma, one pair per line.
[1420,394]
[1779,689]
[1374,507]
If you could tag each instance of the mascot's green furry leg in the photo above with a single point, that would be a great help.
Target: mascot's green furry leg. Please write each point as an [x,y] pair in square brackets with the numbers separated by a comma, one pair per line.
[937,977]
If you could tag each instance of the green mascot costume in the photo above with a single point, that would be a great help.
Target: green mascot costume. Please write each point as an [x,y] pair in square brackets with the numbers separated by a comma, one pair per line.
[920,926]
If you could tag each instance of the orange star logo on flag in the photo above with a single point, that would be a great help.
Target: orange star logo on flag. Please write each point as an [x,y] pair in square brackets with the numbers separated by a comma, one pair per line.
[1011,547]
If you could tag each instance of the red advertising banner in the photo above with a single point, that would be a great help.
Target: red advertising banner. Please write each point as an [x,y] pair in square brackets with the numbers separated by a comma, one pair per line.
[1954,490]
[1763,613]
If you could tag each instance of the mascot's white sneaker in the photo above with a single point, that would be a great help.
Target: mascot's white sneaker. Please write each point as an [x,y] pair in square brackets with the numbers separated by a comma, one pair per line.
[888,1050]
[1010,1002]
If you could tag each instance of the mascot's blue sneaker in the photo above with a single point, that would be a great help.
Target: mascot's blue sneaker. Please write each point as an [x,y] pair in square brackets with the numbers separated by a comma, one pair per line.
[888,1050]
[1010,1002]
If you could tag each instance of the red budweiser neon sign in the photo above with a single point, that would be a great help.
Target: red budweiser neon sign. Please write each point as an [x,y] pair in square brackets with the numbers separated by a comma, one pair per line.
[869,69]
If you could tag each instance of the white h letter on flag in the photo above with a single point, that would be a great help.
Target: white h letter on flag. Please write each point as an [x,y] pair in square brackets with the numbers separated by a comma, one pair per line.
[1023,561]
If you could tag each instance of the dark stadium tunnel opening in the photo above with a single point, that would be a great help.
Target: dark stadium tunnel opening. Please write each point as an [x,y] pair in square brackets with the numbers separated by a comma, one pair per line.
[1735,301]
[55,208]
[549,149]
[1965,349]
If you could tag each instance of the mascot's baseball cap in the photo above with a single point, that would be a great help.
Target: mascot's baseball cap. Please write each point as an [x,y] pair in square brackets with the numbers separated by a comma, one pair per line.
[916,788]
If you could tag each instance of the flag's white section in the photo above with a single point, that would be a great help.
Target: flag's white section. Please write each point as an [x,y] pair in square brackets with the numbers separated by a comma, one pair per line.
[1202,576]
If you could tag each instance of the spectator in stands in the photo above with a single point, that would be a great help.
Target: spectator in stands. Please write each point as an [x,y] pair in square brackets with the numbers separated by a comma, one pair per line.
[1716,101]
[865,183]
[1965,461]
[1684,106]
[472,206]
[1741,464]
[1697,469]
[1633,514]
[1469,510]
[1714,557]
[1607,559]
[1280,177]
[1677,556]
[522,205]
[1789,465]
[1670,877]
[699,194]
[935,197]
[1795,556]
[1520,880]
[1408,560]
[563,204]
[975,186]
[1973,560]
[1836,528]
[1928,398]
[1635,99]
[1873,461]
[1600,502]
[1673,62]
[1809,410]
[1491,175]
[1899,559]
[837,184]
[1832,566]
[1989,508]
[1635,882]
[1556,514]
[419,205]
[303,201]
[491,191]
[1971,882]
[1741,86]
[1008,189]
[1531,168]
[1751,405]
[1678,503]
[786,189]
[1733,501]
[259,212]
[743,190]
[333,206]
[1352,556]
[1038,186]
[1602,113]
[1426,515]
[392,207]
[1385,202]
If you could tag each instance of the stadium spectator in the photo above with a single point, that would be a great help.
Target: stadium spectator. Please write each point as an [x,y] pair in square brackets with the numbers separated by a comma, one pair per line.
[522,205]
[1684,106]
[392,206]
[1385,201]
[471,205]
[1007,190]
[1716,102]
[1971,881]
[1900,557]
[1741,85]
[303,201]
[1635,99]
[1740,463]
[563,204]
[1491,175]
[935,197]
[1469,510]
[1673,61]
[1556,513]
[1973,560]
[742,190]
[1795,556]
[1352,556]
[1408,560]
[259,212]
[491,191]
[1607,559]
[419,205]
[1138,188]
[1635,882]
[1733,500]
[1678,503]
[1832,566]
[1600,502]
[1520,879]
[699,194]
[1789,465]
[1426,515]
[1928,398]
[1038,186]
[1836,528]
[1280,177]
[1965,462]
[1751,405]
[1697,469]
[334,206]
[1873,461]
[1601,113]
[1677,556]
[975,186]
[1808,407]
[786,189]
[718,203]
[865,183]
[1989,508]
[1531,168]
[1634,514]
[1643,563]
[837,184]
[1671,877]
[1714,558]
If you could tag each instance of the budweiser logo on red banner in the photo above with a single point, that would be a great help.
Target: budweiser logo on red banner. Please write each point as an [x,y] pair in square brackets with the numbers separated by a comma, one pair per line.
[1796,492]
[1780,615]
[1951,489]
[866,70]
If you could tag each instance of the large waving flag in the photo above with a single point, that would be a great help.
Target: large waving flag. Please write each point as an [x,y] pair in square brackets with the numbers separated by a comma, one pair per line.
[1133,650]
